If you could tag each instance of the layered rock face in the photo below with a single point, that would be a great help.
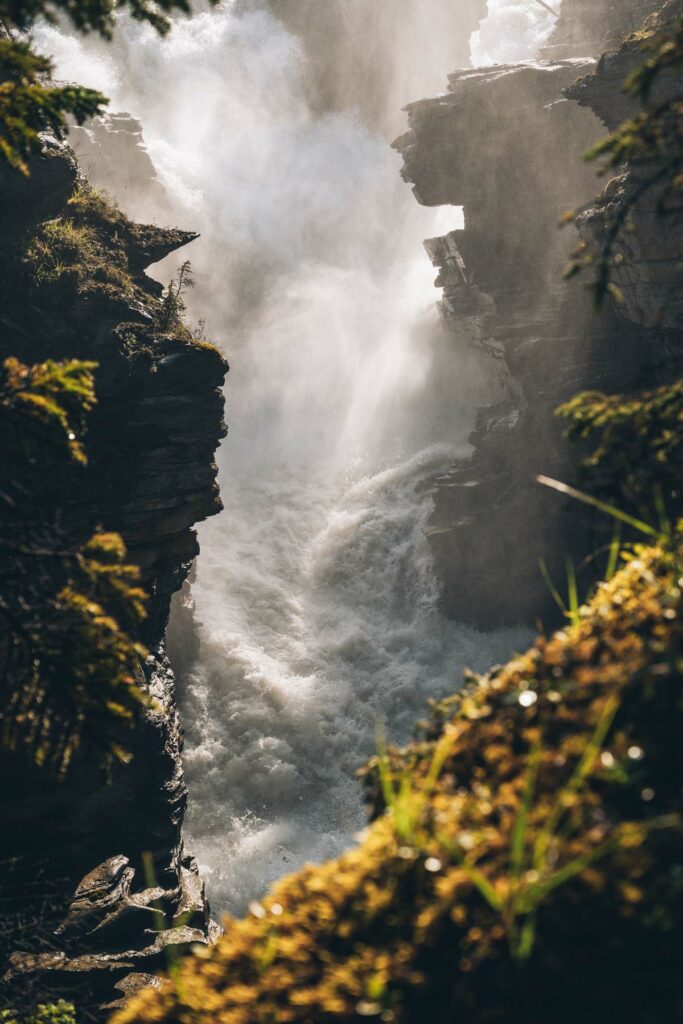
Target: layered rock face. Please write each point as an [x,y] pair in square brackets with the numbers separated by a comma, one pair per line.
[97,889]
[112,154]
[506,143]
[647,254]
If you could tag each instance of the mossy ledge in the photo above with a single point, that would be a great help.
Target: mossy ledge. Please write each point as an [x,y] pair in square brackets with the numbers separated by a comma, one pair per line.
[529,866]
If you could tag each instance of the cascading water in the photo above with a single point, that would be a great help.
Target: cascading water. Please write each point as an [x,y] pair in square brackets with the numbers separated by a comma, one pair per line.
[315,592]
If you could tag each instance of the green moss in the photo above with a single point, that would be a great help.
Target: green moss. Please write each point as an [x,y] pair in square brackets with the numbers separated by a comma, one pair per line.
[522,857]
[83,249]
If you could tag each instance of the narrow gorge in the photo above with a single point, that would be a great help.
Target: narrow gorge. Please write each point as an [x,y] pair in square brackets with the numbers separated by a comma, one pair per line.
[371,527]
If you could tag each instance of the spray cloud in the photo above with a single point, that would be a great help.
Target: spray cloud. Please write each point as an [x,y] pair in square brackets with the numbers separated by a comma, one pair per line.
[316,596]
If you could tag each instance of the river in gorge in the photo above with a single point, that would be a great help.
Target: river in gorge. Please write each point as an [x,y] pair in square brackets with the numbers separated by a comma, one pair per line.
[316,598]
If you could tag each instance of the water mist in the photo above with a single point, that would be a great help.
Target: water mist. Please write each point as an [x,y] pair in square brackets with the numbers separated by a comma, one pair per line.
[317,603]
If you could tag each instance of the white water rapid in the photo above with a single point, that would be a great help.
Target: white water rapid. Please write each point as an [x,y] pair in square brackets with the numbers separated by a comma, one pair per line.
[315,590]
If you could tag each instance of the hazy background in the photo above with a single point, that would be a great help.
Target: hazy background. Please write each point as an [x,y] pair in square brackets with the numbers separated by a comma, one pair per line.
[269,125]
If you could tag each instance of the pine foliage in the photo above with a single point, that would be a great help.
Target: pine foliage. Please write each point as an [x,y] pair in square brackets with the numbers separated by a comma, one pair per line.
[636,444]
[28,106]
[28,103]
[70,607]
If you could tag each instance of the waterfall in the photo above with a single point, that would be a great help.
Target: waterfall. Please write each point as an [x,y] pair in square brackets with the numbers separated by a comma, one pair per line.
[316,598]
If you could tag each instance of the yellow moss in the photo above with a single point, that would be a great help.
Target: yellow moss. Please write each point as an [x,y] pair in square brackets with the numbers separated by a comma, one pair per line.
[547,811]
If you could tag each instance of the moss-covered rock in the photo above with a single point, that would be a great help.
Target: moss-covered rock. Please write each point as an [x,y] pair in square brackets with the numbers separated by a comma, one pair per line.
[529,866]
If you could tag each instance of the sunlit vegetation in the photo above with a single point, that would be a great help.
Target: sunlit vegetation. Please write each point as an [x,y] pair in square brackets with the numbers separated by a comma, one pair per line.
[527,845]
[69,607]
[84,250]
[60,1012]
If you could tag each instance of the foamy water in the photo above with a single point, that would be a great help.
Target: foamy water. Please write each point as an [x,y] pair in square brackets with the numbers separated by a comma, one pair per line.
[316,596]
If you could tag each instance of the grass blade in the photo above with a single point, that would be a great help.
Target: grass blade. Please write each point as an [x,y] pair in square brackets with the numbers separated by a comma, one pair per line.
[517,841]
[614,551]
[572,593]
[385,777]
[554,592]
[602,506]
[584,766]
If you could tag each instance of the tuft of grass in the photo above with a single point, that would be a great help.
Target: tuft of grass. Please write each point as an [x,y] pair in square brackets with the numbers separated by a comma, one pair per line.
[60,247]
[70,251]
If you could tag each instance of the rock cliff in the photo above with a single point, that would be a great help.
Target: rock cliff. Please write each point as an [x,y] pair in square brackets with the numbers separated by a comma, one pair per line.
[97,890]
[506,143]
[646,254]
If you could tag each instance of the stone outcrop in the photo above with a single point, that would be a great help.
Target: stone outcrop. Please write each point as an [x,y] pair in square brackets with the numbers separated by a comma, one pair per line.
[647,255]
[506,144]
[111,151]
[98,892]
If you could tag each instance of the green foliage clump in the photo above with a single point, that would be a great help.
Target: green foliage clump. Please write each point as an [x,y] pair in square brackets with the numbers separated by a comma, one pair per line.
[28,106]
[83,668]
[522,858]
[59,247]
[28,103]
[59,1012]
[49,400]
[637,443]
[70,607]
[92,15]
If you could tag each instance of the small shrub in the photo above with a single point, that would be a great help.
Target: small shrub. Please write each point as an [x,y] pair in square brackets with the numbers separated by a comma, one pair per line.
[637,444]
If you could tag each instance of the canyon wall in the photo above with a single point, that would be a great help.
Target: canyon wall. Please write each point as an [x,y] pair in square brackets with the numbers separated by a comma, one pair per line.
[98,892]
[506,143]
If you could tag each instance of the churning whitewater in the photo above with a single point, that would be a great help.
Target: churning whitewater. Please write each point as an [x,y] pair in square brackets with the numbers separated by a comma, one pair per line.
[316,599]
